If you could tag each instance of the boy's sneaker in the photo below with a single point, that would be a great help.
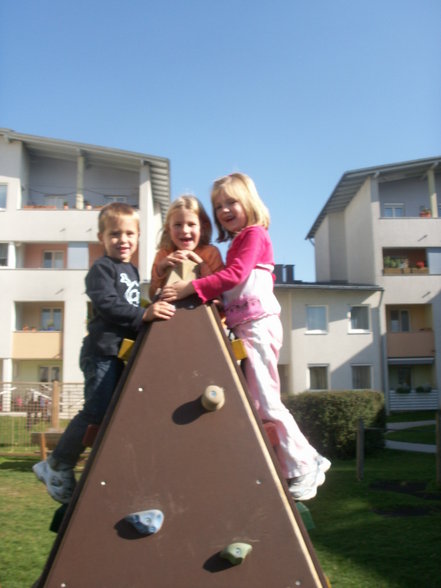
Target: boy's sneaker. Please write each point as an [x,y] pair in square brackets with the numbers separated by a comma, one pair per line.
[60,483]
[305,487]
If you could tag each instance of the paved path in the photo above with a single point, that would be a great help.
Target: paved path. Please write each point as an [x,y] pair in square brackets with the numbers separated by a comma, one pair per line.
[399,426]
[403,446]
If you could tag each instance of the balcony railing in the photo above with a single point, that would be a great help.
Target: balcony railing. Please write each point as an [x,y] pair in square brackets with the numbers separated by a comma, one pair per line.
[413,344]
[402,271]
[37,345]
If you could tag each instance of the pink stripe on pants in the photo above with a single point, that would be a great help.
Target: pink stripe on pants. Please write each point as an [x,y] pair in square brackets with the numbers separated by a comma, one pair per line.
[263,339]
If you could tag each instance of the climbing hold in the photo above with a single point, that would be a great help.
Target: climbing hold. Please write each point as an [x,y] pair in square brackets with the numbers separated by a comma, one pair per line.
[239,350]
[213,398]
[146,522]
[125,349]
[235,553]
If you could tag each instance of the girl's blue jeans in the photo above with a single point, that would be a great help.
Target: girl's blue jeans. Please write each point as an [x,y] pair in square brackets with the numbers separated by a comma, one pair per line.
[101,376]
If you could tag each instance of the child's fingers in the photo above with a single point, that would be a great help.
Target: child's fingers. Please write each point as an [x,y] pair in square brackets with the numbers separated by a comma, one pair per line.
[168,294]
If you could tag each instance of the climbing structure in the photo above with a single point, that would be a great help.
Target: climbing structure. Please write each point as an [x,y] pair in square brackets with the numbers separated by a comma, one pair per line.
[182,484]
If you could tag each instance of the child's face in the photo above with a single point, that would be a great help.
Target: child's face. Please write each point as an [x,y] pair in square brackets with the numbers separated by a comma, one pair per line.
[120,238]
[185,229]
[230,213]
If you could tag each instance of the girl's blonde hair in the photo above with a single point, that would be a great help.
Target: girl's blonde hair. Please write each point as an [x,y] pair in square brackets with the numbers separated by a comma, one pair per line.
[242,188]
[115,210]
[191,203]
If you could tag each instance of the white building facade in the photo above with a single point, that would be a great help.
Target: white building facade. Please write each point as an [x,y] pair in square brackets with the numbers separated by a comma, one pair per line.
[372,320]
[51,193]
[382,226]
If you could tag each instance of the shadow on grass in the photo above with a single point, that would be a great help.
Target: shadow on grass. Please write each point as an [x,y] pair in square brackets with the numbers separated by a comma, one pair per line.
[17,464]
[384,530]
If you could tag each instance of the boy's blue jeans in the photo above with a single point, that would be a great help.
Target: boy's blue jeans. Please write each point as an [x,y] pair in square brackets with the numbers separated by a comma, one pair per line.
[101,376]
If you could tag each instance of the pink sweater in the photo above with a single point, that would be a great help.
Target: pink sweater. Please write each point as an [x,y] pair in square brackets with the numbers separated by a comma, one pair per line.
[246,283]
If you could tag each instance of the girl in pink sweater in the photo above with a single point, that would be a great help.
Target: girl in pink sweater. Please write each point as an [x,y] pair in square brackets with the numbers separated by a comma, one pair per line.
[252,312]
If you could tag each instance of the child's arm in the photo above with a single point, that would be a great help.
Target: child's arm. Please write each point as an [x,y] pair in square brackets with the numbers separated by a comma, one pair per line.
[177,291]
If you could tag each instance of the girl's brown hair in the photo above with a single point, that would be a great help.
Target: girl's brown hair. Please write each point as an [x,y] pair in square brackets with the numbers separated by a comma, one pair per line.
[191,203]
[242,188]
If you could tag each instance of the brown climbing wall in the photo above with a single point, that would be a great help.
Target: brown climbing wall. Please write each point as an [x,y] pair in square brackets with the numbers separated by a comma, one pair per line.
[210,473]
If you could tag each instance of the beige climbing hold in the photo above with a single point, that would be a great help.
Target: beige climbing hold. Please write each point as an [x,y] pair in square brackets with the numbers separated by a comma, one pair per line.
[235,553]
[213,398]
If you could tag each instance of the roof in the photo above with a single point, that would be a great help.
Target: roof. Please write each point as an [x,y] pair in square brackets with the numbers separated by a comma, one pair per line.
[103,156]
[351,182]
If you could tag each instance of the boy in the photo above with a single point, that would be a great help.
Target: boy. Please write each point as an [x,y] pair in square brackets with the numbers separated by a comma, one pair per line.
[112,284]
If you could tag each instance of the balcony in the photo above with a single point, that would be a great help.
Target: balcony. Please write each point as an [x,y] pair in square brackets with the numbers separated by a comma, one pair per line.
[416,344]
[397,262]
[37,345]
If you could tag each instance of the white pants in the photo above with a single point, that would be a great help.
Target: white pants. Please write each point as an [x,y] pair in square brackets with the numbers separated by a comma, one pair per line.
[263,339]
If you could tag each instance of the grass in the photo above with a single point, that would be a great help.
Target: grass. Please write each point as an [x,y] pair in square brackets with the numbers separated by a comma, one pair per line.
[425,435]
[416,415]
[376,533]
[366,535]
[25,514]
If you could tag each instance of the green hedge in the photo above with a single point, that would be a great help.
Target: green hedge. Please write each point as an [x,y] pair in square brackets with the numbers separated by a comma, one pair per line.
[329,420]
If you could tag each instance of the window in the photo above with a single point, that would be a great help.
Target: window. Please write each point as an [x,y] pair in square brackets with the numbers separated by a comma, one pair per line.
[53,259]
[48,373]
[361,377]
[3,193]
[404,379]
[399,321]
[393,210]
[55,200]
[3,254]
[316,320]
[318,377]
[51,319]
[359,319]
[115,199]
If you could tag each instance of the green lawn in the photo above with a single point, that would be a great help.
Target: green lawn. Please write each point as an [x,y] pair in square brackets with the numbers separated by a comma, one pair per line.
[374,533]
[426,434]
[416,415]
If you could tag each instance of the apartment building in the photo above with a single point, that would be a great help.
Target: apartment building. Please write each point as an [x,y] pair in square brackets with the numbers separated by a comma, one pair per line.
[51,192]
[382,226]
[331,337]
[372,320]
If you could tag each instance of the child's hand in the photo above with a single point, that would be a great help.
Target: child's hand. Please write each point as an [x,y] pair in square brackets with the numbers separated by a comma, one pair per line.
[172,260]
[159,310]
[176,257]
[177,291]
[192,256]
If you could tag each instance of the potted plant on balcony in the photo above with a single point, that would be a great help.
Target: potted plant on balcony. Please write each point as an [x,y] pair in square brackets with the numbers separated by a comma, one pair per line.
[420,268]
[424,389]
[425,212]
[66,205]
[391,265]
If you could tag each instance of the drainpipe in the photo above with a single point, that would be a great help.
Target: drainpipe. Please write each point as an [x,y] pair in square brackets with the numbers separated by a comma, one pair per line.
[432,193]
[79,202]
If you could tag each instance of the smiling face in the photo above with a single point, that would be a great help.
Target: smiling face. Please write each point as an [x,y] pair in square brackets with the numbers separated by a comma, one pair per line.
[230,213]
[120,237]
[185,229]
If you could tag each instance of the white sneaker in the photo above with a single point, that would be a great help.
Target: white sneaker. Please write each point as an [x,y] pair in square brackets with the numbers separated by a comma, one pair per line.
[59,483]
[305,487]
[323,463]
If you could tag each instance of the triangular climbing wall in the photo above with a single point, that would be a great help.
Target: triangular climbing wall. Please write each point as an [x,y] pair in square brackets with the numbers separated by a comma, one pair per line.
[211,473]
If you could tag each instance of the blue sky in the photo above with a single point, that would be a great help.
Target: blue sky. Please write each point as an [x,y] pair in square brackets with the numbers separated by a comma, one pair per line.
[292,93]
